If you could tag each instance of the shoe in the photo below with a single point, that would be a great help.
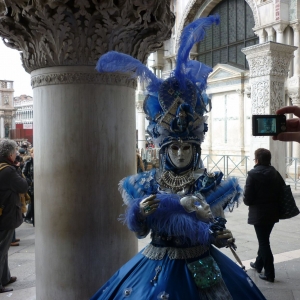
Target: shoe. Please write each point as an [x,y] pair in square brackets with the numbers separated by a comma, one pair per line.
[253,266]
[264,277]
[28,221]
[12,279]
[14,244]
[5,290]
[17,240]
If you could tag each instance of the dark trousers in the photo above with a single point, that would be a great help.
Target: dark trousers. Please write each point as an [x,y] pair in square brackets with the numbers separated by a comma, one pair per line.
[5,240]
[30,211]
[264,257]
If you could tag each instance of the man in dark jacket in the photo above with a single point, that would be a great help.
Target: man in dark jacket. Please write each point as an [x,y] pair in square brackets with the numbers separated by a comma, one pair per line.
[11,185]
[261,194]
[28,173]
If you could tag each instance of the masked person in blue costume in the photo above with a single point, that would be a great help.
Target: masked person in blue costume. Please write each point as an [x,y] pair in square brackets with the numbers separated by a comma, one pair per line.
[180,204]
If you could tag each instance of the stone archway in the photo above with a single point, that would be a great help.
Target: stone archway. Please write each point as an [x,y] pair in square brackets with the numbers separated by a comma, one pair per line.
[200,8]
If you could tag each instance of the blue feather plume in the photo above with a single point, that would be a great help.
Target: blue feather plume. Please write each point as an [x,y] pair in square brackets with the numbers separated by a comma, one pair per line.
[119,62]
[198,72]
[193,33]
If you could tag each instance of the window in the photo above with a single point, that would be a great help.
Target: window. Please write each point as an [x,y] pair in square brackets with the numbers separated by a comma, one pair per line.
[223,42]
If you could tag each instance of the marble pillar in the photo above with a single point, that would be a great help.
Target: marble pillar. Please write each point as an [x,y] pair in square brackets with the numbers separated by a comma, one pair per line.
[140,120]
[295,98]
[279,28]
[296,29]
[13,121]
[242,122]
[261,35]
[268,65]
[270,31]
[84,131]
[2,129]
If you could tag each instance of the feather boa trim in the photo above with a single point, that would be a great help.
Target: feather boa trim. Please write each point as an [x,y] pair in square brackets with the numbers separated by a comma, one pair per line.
[169,219]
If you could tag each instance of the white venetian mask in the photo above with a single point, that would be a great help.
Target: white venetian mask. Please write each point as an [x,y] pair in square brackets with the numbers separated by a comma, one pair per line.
[180,154]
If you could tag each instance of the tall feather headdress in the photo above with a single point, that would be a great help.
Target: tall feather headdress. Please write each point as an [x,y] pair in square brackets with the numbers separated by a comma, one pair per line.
[175,107]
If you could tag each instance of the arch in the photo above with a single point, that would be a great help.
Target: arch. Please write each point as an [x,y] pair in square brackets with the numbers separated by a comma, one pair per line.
[200,8]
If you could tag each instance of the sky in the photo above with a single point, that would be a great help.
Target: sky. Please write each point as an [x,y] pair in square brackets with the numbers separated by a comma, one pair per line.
[11,69]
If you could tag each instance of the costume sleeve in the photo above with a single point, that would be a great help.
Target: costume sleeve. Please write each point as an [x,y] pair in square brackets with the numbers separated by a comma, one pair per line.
[249,191]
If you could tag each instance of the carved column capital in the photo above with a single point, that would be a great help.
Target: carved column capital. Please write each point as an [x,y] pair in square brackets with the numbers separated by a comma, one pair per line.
[139,106]
[261,35]
[279,28]
[295,96]
[295,26]
[270,32]
[239,92]
[269,65]
[269,59]
[74,32]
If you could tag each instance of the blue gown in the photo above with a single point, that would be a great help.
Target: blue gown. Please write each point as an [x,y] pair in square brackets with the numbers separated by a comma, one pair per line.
[162,270]
[175,280]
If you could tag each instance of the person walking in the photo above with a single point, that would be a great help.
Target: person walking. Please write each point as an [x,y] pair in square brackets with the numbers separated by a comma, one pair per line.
[28,173]
[11,185]
[261,194]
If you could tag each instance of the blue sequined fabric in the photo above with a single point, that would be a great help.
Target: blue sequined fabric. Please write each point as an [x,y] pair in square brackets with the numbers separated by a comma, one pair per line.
[205,272]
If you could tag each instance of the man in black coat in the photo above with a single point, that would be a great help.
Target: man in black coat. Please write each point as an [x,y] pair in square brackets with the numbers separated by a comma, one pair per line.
[28,173]
[11,185]
[261,194]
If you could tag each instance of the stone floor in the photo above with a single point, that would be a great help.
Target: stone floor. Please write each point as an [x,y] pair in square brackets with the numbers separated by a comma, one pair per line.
[285,242]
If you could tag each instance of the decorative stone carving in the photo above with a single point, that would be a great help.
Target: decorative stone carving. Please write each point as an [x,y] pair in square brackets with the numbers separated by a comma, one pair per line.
[269,59]
[260,97]
[261,35]
[139,106]
[277,96]
[80,77]
[2,8]
[269,65]
[77,32]
[295,97]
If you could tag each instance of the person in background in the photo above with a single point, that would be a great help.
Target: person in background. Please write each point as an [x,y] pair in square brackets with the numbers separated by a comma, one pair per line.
[25,147]
[19,163]
[261,194]
[28,173]
[11,185]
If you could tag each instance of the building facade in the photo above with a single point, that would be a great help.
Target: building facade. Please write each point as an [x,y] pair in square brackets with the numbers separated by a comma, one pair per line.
[241,85]
[24,117]
[7,110]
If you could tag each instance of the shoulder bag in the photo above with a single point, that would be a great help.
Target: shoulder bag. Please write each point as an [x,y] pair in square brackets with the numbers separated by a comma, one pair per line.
[287,205]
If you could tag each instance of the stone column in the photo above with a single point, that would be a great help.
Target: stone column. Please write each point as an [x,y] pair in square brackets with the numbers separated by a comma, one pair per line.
[268,65]
[2,129]
[242,122]
[84,131]
[295,98]
[140,120]
[296,29]
[13,121]
[279,28]
[173,59]
[261,35]
[270,32]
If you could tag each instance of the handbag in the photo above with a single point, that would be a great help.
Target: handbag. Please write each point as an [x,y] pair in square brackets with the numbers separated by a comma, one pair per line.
[287,205]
